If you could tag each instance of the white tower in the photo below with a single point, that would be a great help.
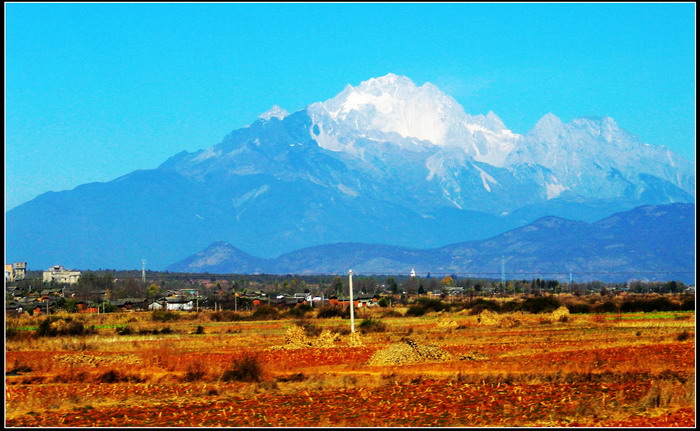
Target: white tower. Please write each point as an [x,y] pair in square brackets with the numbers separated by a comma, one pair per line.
[413,272]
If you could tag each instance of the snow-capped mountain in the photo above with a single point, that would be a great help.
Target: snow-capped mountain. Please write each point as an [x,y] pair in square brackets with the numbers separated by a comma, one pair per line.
[385,162]
[393,109]
[274,112]
[388,127]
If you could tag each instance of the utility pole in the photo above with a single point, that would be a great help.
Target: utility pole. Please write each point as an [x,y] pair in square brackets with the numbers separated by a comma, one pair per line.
[143,271]
[352,305]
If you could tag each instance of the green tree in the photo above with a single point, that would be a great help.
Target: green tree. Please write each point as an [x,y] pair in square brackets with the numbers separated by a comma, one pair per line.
[447,281]
[392,285]
[71,305]
[337,285]
[153,290]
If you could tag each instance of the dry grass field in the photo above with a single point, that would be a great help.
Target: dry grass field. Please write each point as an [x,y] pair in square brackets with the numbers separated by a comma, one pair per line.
[439,369]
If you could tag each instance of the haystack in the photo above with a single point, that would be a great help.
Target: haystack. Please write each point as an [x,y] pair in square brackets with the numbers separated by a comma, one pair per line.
[326,339]
[488,317]
[355,340]
[446,322]
[509,322]
[296,338]
[407,351]
[560,314]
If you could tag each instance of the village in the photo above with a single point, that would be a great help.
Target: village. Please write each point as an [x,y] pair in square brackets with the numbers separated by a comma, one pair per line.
[102,292]
[59,290]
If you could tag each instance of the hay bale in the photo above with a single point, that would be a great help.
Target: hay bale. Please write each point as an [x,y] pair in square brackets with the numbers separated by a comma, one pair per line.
[408,352]
[295,338]
[560,314]
[446,322]
[488,317]
[355,340]
[509,322]
[326,339]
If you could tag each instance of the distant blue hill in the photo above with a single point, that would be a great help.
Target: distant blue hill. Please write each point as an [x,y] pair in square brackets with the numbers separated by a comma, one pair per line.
[648,242]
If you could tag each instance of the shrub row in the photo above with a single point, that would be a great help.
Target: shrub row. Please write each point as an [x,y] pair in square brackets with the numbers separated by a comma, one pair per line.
[54,326]
[425,305]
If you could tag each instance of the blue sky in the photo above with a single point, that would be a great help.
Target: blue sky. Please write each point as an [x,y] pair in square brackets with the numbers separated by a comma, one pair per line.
[95,91]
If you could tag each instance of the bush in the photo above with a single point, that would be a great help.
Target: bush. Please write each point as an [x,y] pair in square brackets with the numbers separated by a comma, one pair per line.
[330,311]
[45,329]
[107,307]
[265,312]
[540,304]
[424,305]
[194,372]
[371,325]
[511,306]
[53,326]
[164,316]
[391,313]
[110,376]
[432,304]
[245,369]
[415,310]
[299,311]
[485,304]
[577,308]
[383,302]
[683,336]
[605,307]
[225,316]
[199,330]
[124,330]
[298,377]
[647,305]
[688,304]
[113,376]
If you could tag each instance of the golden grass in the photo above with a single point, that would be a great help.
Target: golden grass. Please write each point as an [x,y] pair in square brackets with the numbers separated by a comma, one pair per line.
[66,372]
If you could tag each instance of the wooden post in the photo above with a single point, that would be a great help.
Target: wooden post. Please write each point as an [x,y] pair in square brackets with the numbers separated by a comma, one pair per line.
[352,305]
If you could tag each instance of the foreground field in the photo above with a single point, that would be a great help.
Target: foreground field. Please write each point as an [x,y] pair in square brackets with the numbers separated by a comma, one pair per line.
[632,369]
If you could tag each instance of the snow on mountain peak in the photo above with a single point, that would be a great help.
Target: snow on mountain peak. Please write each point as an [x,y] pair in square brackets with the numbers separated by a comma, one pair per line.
[275,112]
[380,108]
[548,122]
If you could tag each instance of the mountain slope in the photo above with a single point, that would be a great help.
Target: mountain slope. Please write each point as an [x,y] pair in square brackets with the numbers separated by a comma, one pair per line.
[384,162]
[631,244]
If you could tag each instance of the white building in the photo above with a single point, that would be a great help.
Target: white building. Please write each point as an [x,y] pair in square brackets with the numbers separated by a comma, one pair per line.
[16,271]
[155,305]
[179,305]
[58,274]
[9,273]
